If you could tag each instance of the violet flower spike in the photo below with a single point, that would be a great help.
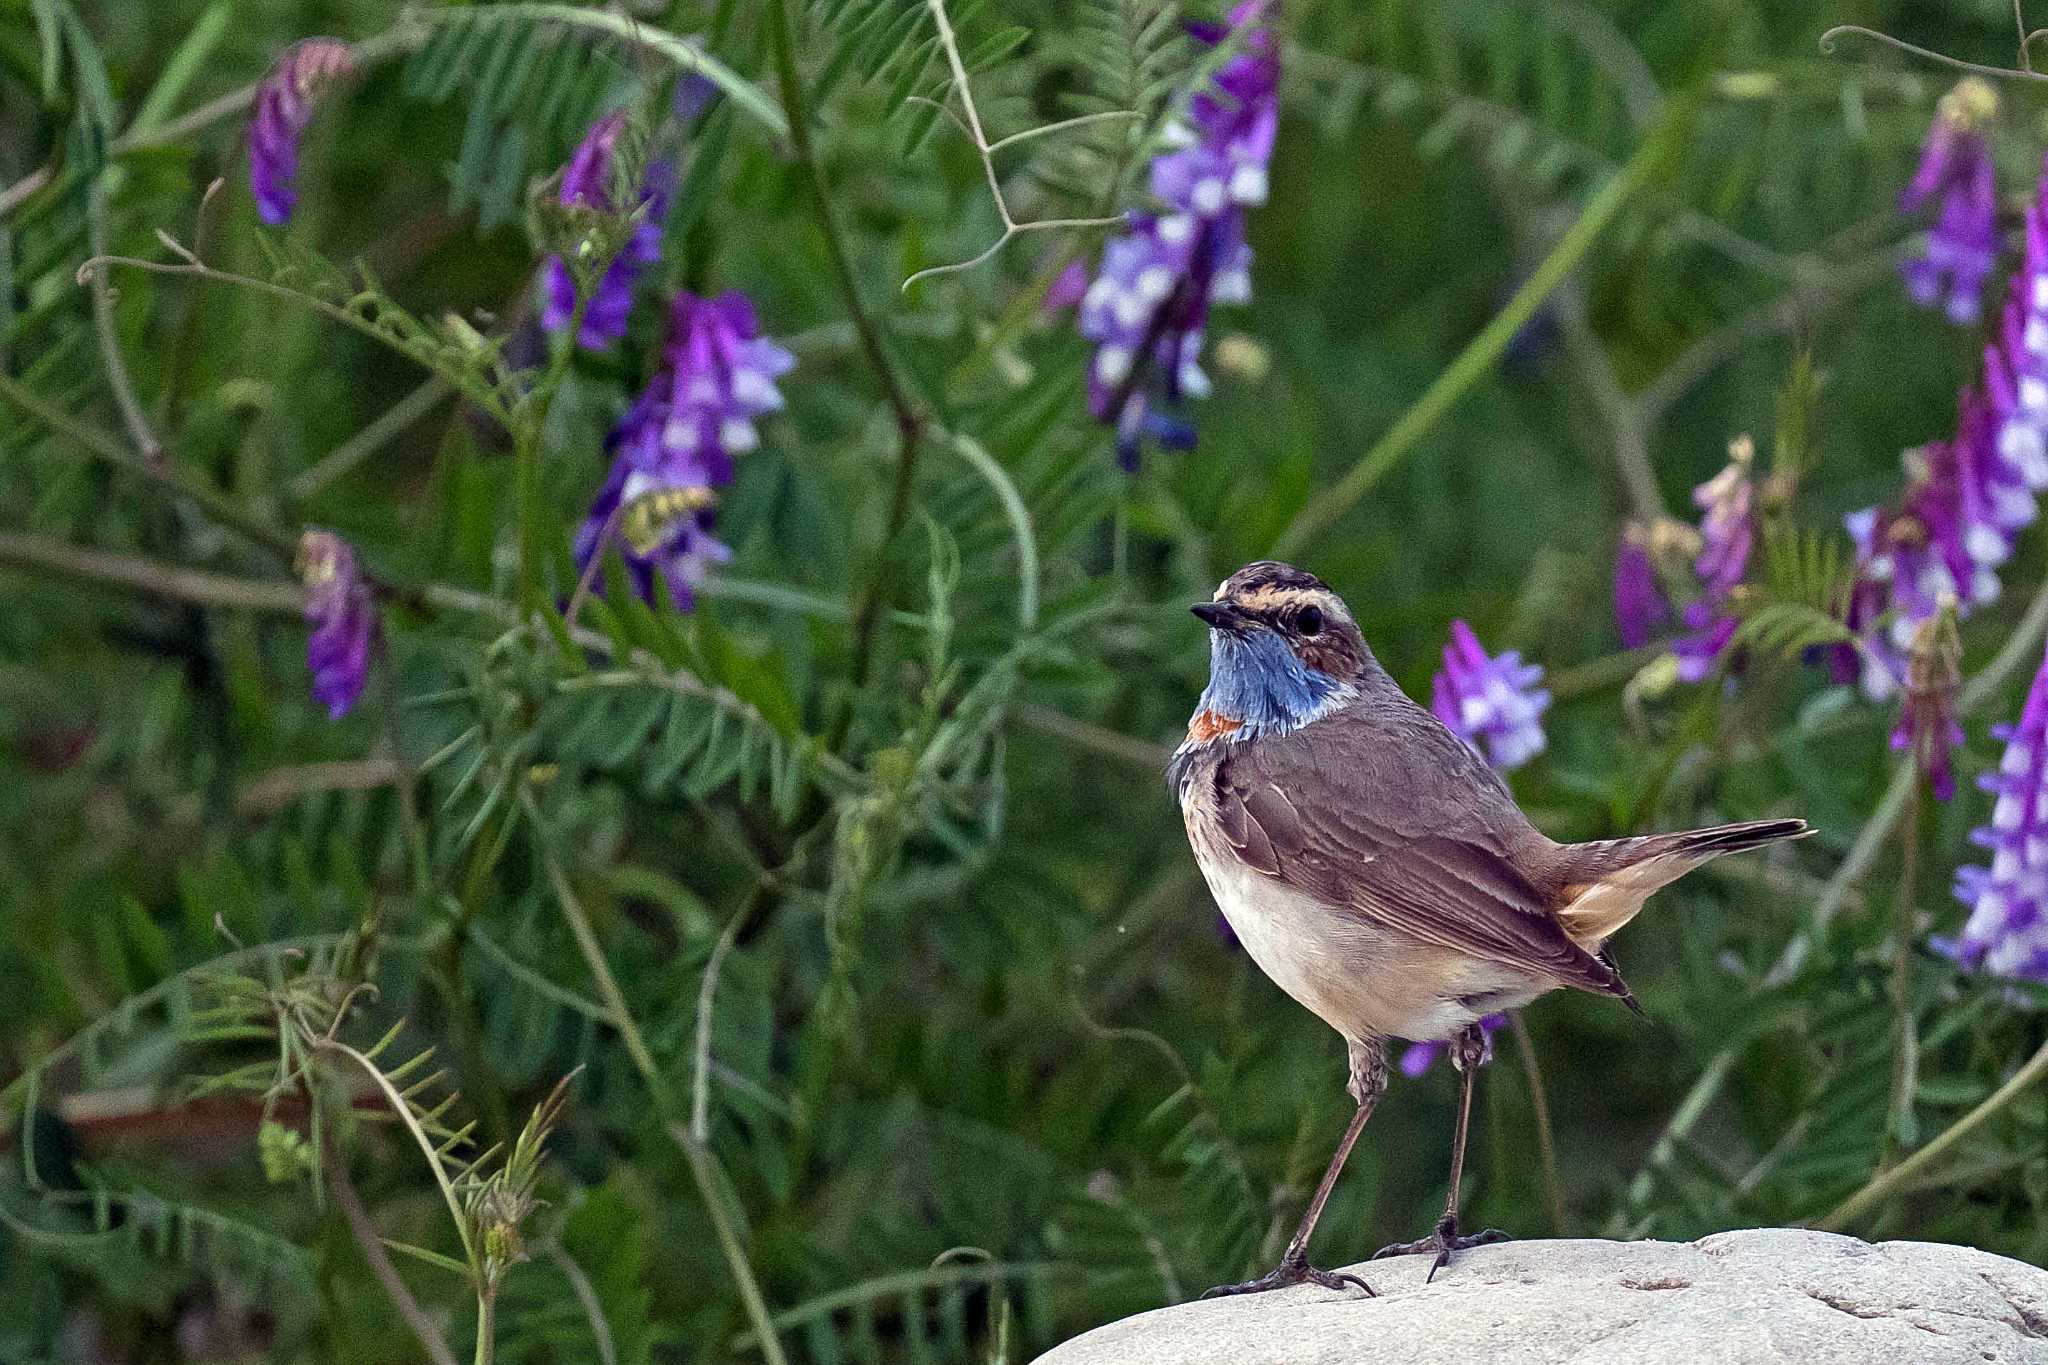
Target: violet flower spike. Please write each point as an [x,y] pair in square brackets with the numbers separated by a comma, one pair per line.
[1490,698]
[721,377]
[1148,305]
[284,105]
[2016,366]
[1727,535]
[1728,522]
[1947,537]
[1420,1057]
[1146,310]
[2007,933]
[1955,163]
[587,181]
[1711,632]
[676,446]
[1640,606]
[343,612]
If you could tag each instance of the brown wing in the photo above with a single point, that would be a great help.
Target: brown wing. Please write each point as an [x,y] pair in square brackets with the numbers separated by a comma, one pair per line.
[1379,809]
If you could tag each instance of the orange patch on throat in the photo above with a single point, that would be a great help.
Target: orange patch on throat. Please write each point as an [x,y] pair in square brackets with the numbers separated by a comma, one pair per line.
[1207,725]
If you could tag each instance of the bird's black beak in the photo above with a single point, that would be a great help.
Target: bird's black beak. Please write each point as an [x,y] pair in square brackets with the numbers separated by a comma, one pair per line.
[1220,615]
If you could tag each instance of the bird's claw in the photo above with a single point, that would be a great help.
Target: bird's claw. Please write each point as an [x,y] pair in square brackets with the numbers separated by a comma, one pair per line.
[1288,1274]
[1443,1240]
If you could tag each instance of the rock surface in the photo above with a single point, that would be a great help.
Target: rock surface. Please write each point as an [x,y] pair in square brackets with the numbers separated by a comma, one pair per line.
[1738,1298]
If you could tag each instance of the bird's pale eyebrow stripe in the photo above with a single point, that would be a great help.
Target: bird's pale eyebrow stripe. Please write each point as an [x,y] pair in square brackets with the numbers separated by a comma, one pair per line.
[1273,597]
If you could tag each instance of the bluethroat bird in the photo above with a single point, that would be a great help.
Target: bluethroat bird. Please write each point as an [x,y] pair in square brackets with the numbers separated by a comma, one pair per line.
[1379,871]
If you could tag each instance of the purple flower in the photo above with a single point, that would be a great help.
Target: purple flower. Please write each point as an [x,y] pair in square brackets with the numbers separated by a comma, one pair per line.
[1067,289]
[1727,524]
[2016,366]
[1224,144]
[2007,933]
[694,94]
[1849,661]
[344,617]
[1927,714]
[586,181]
[1149,304]
[1951,531]
[661,520]
[1955,163]
[1146,311]
[1711,630]
[1639,602]
[675,446]
[1727,504]
[1420,1057]
[1494,698]
[284,106]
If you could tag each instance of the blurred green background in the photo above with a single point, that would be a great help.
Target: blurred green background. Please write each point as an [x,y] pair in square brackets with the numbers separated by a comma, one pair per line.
[977,1070]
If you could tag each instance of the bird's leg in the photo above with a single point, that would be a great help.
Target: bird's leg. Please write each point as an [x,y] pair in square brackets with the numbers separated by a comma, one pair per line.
[1368,1082]
[1468,1053]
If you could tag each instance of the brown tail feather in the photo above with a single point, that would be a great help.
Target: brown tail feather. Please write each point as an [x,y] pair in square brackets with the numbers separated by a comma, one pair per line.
[1605,884]
[1727,838]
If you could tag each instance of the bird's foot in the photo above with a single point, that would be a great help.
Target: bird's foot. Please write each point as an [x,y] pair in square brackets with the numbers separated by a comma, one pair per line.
[1443,1241]
[1289,1273]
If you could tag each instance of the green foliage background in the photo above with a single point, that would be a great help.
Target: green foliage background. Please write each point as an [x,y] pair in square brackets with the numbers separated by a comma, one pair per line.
[946,1054]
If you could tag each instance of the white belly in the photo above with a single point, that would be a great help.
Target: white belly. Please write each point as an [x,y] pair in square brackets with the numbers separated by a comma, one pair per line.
[1358,978]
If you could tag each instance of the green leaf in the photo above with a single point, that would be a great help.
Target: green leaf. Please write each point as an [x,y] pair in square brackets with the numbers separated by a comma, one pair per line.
[186,61]
[432,1258]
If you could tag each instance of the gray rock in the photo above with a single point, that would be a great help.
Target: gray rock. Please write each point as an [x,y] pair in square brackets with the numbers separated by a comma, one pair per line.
[1739,1298]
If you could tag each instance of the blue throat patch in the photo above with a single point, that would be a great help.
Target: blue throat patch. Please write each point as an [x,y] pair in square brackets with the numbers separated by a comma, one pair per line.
[1257,680]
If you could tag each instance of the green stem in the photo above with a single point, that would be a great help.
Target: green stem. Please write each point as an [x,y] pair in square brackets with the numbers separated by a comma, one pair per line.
[140,433]
[528,435]
[909,422]
[2003,73]
[486,1325]
[1690,1110]
[703,1165]
[683,53]
[343,1192]
[1906,1058]
[1885,1182]
[150,576]
[1539,1104]
[1479,355]
[526,497]
[386,427]
[99,444]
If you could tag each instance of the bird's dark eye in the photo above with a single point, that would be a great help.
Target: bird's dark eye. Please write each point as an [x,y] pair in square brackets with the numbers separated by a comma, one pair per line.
[1309,621]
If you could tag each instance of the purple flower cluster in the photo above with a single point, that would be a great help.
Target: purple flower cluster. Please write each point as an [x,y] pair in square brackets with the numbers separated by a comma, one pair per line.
[674,448]
[284,106]
[587,181]
[1148,305]
[1944,541]
[1640,607]
[1955,163]
[1966,498]
[2016,364]
[1420,1057]
[1706,565]
[1493,699]
[1727,504]
[2007,931]
[343,613]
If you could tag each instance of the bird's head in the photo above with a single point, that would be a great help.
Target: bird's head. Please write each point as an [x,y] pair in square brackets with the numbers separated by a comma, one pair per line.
[1283,650]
